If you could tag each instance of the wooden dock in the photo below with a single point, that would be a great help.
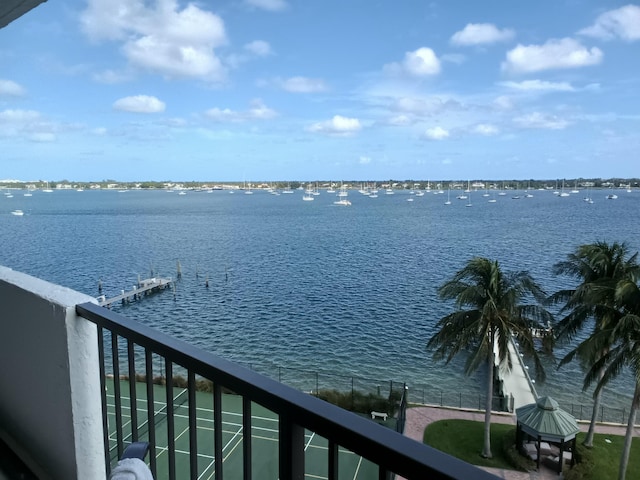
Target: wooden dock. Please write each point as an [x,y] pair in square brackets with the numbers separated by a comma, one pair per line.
[143,287]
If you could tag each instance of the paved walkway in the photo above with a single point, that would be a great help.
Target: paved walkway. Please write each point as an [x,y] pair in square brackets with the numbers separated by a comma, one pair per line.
[419,417]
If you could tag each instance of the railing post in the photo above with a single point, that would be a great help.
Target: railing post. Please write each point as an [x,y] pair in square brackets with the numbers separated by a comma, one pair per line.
[103,391]
[291,451]
[116,392]
[133,402]
[217,429]
[151,422]
[333,461]
[246,438]
[193,426]
[171,439]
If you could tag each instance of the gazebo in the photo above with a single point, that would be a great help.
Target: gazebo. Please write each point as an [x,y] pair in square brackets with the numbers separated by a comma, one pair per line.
[545,422]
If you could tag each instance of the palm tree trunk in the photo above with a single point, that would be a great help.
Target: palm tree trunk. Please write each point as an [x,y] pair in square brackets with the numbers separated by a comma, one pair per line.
[486,450]
[626,449]
[588,441]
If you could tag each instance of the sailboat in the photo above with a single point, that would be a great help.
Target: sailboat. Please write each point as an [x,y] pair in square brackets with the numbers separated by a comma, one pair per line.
[562,192]
[448,202]
[47,190]
[342,197]
[308,194]
[575,190]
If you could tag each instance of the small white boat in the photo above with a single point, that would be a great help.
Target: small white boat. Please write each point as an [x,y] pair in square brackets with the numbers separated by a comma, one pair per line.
[612,196]
[342,197]
[17,213]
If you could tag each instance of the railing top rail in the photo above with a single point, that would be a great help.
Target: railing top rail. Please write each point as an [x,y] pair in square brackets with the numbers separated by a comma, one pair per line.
[411,459]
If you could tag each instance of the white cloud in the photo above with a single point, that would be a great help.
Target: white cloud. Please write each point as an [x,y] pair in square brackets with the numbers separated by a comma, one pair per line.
[481,34]
[563,53]
[302,85]
[338,125]
[260,111]
[111,77]
[19,116]
[400,120]
[436,133]
[542,121]
[539,85]
[456,58]
[623,23]
[420,106]
[270,5]
[422,62]
[259,48]
[160,38]
[223,115]
[364,160]
[486,129]
[29,125]
[100,131]
[139,104]
[257,111]
[503,103]
[11,89]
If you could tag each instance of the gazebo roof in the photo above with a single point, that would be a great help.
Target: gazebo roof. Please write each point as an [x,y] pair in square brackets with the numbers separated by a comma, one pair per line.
[547,420]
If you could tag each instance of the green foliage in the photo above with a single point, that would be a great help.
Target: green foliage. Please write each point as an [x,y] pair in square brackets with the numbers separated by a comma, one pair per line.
[360,402]
[511,453]
[463,439]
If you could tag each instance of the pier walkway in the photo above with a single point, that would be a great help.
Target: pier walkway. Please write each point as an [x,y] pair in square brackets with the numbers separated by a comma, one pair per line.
[516,382]
[143,287]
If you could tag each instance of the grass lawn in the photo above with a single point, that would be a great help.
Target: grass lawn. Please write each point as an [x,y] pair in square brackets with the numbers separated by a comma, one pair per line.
[603,460]
[463,439]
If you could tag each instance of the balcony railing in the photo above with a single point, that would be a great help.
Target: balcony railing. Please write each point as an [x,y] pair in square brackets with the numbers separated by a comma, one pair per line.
[128,349]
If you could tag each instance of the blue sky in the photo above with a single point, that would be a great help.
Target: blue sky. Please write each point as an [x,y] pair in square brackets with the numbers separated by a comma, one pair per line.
[304,90]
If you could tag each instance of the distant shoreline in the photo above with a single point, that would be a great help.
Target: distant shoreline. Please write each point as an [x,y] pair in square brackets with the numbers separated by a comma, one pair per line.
[476,184]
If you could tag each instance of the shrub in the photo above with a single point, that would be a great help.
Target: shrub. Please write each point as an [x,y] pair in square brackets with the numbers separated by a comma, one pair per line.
[513,456]
[360,402]
[585,462]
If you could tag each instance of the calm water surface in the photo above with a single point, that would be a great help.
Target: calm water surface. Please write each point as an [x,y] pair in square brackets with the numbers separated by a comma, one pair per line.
[309,285]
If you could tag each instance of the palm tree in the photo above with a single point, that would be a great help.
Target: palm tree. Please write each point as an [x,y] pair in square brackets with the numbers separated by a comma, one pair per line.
[598,267]
[489,312]
[624,338]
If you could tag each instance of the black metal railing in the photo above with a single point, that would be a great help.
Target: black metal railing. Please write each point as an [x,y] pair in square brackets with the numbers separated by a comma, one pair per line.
[143,349]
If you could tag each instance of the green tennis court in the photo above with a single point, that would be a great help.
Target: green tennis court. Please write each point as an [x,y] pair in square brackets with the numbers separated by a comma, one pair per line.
[264,437]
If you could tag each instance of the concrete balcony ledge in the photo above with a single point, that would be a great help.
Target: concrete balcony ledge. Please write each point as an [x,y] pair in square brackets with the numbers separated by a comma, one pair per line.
[50,402]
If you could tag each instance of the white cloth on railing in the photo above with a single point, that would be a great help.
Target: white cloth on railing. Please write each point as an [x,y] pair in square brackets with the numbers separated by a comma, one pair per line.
[131,469]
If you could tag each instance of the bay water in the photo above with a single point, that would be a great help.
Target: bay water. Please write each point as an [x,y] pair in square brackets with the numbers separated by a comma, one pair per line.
[305,287]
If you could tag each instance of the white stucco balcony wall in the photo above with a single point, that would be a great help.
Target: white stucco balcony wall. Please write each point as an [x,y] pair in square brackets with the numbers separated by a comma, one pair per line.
[50,404]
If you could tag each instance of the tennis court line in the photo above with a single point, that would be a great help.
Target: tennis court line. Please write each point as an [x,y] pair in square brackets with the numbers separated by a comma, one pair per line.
[228,448]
